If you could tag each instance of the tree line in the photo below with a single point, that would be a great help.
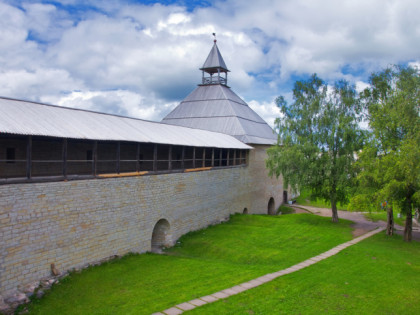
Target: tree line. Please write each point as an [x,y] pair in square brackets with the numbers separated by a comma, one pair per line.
[349,147]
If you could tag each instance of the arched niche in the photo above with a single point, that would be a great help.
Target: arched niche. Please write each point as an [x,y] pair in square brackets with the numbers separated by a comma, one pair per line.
[161,236]
[271,208]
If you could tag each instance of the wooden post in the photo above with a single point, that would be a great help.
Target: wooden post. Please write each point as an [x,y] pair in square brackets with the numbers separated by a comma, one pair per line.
[204,157]
[65,158]
[118,157]
[94,157]
[221,157]
[138,158]
[155,158]
[212,157]
[227,157]
[194,157]
[170,158]
[183,158]
[234,157]
[29,158]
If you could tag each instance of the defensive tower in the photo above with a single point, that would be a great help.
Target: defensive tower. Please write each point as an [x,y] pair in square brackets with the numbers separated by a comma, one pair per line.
[214,106]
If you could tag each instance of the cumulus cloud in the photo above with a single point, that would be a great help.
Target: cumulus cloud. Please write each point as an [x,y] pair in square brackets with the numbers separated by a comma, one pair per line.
[37,83]
[118,102]
[414,64]
[141,60]
[268,110]
[361,86]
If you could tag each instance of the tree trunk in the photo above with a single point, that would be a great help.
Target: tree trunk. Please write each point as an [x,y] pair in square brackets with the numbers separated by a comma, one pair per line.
[390,221]
[334,211]
[408,226]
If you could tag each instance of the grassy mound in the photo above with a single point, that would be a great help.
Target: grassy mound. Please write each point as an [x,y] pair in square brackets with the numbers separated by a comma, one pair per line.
[202,263]
[380,275]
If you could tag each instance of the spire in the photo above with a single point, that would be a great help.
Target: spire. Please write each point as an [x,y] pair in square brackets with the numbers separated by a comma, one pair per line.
[214,66]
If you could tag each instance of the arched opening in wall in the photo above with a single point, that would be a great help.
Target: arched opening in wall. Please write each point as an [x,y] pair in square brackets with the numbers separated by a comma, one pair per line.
[161,236]
[271,207]
[245,211]
[285,196]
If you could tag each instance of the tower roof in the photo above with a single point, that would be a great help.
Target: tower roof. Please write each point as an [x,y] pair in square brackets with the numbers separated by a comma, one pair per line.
[218,108]
[214,106]
[214,61]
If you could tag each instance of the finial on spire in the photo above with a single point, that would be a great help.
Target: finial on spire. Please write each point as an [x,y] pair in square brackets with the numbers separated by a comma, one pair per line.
[214,34]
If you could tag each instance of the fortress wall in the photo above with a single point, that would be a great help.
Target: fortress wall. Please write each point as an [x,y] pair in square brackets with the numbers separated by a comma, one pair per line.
[267,187]
[78,222]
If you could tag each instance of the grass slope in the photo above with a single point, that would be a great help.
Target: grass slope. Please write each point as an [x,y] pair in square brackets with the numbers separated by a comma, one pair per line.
[202,263]
[380,275]
[376,216]
[285,210]
[304,199]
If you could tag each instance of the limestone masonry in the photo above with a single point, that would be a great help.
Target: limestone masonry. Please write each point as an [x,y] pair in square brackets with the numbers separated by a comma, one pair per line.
[75,223]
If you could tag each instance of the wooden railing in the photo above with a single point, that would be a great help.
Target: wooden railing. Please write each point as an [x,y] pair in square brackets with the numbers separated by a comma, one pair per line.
[214,80]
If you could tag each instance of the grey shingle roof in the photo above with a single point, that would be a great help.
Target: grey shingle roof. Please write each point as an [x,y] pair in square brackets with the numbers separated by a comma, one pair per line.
[29,118]
[218,108]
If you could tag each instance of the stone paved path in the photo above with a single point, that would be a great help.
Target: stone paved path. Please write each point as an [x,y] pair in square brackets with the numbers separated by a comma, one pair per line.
[180,308]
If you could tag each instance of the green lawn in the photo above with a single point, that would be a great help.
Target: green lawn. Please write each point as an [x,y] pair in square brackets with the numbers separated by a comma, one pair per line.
[285,210]
[204,262]
[304,199]
[376,216]
[380,275]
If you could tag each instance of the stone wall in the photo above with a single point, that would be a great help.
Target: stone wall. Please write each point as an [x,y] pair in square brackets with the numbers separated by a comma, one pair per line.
[265,186]
[75,223]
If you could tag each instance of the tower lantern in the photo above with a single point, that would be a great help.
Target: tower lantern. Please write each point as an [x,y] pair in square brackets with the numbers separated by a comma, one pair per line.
[214,67]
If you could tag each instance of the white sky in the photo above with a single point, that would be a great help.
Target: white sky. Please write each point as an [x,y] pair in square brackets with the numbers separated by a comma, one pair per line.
[141,60]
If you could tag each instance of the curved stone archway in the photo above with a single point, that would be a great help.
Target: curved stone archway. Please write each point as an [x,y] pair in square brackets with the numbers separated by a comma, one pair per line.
[161,236]
[271,209]
[245,211]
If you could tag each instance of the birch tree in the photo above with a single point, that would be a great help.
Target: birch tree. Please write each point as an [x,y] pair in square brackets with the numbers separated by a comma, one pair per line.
[319,135]
[390,162]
